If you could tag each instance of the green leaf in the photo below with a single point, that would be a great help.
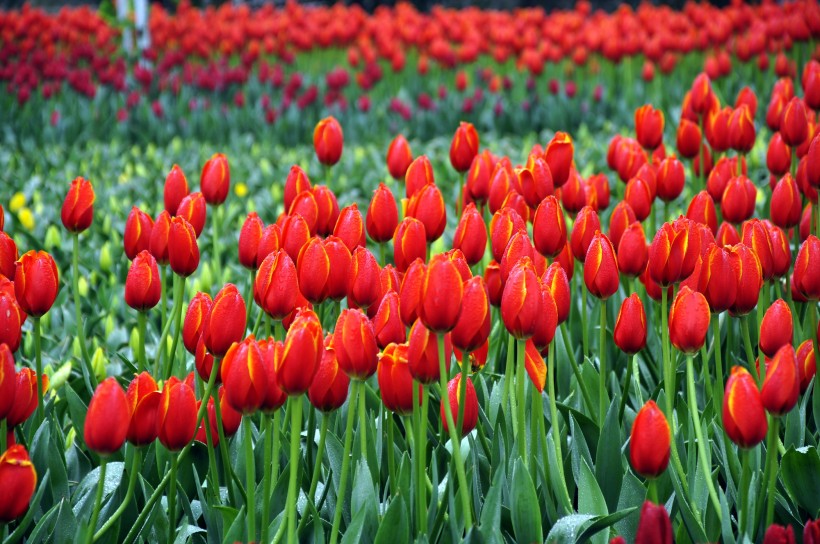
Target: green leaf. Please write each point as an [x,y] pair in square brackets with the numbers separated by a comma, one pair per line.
[526,515]
[608,459]
[77,409]
[567,529]
[590,498]
[353,533]
[490,523]
[604,522]
[633,493]
[800,471]
[236,532]
[363,498]
[394,528]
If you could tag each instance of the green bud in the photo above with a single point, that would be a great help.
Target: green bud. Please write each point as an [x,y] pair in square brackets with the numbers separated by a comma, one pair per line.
[206,277]
[76,350]
[58,378]
[134,341]
[83,286]
[53,239]
[98,362]
[105,257]
[109,325]
[69,438]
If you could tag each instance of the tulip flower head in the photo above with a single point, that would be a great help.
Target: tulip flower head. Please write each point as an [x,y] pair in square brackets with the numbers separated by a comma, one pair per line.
[78,206]
[470,405]
[18,479]
[108,418]
[36,282]
[650,441]
[781,386]
[744,418]
[328,141]
[215,179]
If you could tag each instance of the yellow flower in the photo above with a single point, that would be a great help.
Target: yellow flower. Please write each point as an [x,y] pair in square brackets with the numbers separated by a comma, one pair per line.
[17,202]
[240,189]
[26,218]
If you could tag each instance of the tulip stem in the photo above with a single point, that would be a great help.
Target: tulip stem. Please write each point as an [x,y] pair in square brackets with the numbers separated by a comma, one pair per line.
[271,468]
[362,421]
[250,477]
[391,460]
[652,490]
[78,315]
[249,297]
[669,388]
[129,494]
[704,460]
[215,236]
[718,386]
[317,469]
[743,494]
[464,491]
[627,385]
[38,363]
[584,333]
[750,358]
[223,445]
[146,510]
[462,389]
[508,377]
[95,514]
[422,440]
[771,467]
[295,439]
[143,364]
[163,338]
[576,369]
[340,495]
[602,370]
[556,432]
[3,434]
[213,472]
[179,290]
[813,331]
[521,427]
[416,453]
[172,496]
[163,304]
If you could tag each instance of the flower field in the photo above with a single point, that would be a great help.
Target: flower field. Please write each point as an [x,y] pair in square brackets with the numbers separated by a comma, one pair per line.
[314,274]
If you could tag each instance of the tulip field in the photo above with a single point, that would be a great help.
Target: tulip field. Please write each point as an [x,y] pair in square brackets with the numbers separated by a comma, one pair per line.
[317,274]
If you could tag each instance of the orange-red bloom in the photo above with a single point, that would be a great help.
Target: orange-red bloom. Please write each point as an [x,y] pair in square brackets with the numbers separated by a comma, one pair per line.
[313,270]
[749,280]
[194,210]
[350,227]
[8,379]
[586,225]
[225,323]
[183,251]
[18,480]
[142,285]
[198,309]
[630,327]
[215,179]
[471,235]
[160,232]
[742,129]
[423,353]
[137,234]
[249,238]
[328,141]
[794,124]
[363,279]
[470,405]
[382,215]
[806,271]
[143,400]
[718,278]
[175,189]
[441,295]
[302,354]
[601,267]
[654,526]
[738,201]
[672,253]
[14,317]
[355,344]
[108,418]
[649,126]
[272,352]
[650,441]
[743,416]
[78,206]
[409,243]
[549,228]
[521,301]
[776,328]
[9,255]
[558,154]
[277,285]
[387,324]
[296,183]
[464,147]
[330,385]
[243,372]
[781,386]
[176,414]
[473,325]
[632,251]
[25,396]
[395,380]
[427,205]
[689,319]
[399,157]
[36,282]
[419,174]
[339,257]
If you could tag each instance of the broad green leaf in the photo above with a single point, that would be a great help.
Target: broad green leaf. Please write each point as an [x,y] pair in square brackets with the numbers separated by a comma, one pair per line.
[590,498]
[526,515]
[490,521]
[394,527]
[609,460]
[568,528]
[800,471]
[604,522]
[363,498]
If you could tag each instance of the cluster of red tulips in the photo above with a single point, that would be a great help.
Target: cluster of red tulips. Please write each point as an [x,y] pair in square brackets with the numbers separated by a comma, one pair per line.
[331,312]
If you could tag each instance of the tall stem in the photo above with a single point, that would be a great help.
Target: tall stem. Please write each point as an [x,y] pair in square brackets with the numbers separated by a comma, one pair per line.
[416,416]
[747,343]
[143,363]
[463,490]
[97,500]
[813,328]
[38,365]
[78,315]
[602,369]
[556,432]
[771,466]
[295,438]
[743,494]
[179,290]
[172,496]
[129,494]
[223,444]
[669,388]
[340,496]
[250,477]
[576,370]
[695,415]
[422,440]
[249,297]
[584,332]
[391,459]
[521,427]
[317,469]
[163,302]
[215,236]
[718,385]
[362,420]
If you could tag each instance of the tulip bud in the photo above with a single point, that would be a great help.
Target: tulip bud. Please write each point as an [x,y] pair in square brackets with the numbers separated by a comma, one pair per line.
[36,282]
[689,319]
[649,126]
[108,418]
[473,325]
[193,209]
[313,269]
[630,327]
[18,479]
[296,183]
[464,147]
[78,206]
[9,255]
[806,364]
[786,203]
[303,351]
[749,280]
[744,419]
[717,129]
[399,157]
[776,328]
[672,256]
[649,441]
[777,534]
[175,189]
[654,526]
[778,156]
[25,396]
[204,362]
[160,234]
[8,379]
[558,154]
[549,228]
[363,278]
[329,389]
[738,201]
[702,210]
[327,210]
[382,215]
[215,179]
[355,344]
[517,248]
[249,239]
[143,399]
[419,174]
[504,224]
[806,271]
[794,124]
[781,386]
[742,130]
[427,205]
[142,285]
[601,267]
[501,184]
[137,235]
[632,251]
[471,235]
[176,414]
[328,141]
[586,225]
[10,327]
[470,405]
[243,373]
[304,205]
[276,286]
[198,309]
[671,178]
[183,251]
[272,352]
[409,243]
[225,323]
[350,227]
[395,380]
[688,139]
[718,278]
[423,353]
[521,300]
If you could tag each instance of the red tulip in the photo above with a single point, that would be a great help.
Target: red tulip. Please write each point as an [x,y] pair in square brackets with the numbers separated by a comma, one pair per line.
[501,184]
[427,205]
[9,255]
[350,227]
[18,479]
[160,234]
[225,323]
[689,319]
[630,327]
[78,206]
[25,396]
[339,257]
[204,362]
[423,353]
[355,344]
[363,279]
[183,251]
[586,225]
[558,154]
[243,372]
[776,328]
[193,209]
[744,419]
[649,126]
[330,385]
[198,309]
[794,124]
[215,179]
[249,238]
[296,183]
[549,228]
[521,300]
[327,209]
[175,189]
[717,129]
[328,141]
[10,327]
[470,405]
[718,278]
[382,215]
[749,280]
[781,386]
[702,210]
[176,414]
[671,178]
[742,129]
[399,157]
[806,271]
[272,352]
[142,285]
[601,267]
[503,225]
[387,324]
[786,203]
[8,379]
[477,184]
[777,534]
[302,354]
[108,418]
[650,441]
[464,147]
[410,291]
[781,252]
[409,243]
[473,325]
[395,380]
[672,255]
[419,174]
[471,235]
[654,526]
[277,285]
[688,139]
[806,364]
[622,216]
[137,235]
[778,156]
[143,400]
[441,295]
[738,201]
[632,251]
[36,282]
[305,205]
[313,269]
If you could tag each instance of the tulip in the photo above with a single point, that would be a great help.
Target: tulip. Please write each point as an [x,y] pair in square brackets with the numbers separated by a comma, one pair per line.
[689,320]
[504,224]
[296,183]
[409,243]
[744,419]
[26,396]
[395,381]
[277,285]
[137,235]
[549,229]
[776,328]
[193,209]
[741,130]
[108,418]
[441,295]
[327,210]
[778,534]
[464,147]
[330,386]
[786,203]
[339,257]
[470,418]
[702,210]
[558,154]
[794,126]
[350,227]
[9,255]
[363,278]
[8,379]
[18,479]
[354,342]
[649,442]
[781,386]
[78,206]
[419,174]
[427,205]
[517,248]
[574,193]
[501,184]
[387,324]
[272,352]
[215,179]
[295,234]
[718,278]
[778,156]
[781,252]
[670,179]
[313,270]
[328,141]
[649,126]
[183,251]
[160,234]
[672,255]
[204,362]
[688,139]
[303,351]
[143,400]
[243,373]
[601,267]
[654,526]
[811,532]
[229,420]
[630,327]
[399,157]
[176,414]
[305,206]
[382,215]
[586,225]
[749,280]
[36,282]
[521,300]
[471,235]
[142,285]
[717,129]
[806,365]
[225,323]
[622,216]
[423,354]
[175,189]
[473,325]
[806,271]
[738,201]
[249,238]
[11,326]
[198,309]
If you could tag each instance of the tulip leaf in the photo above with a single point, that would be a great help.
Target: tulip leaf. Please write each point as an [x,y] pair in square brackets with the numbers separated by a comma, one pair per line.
[608,459]
[363,498]
[800,470]
[394,527]
[694,527]
[353,532]
[567,529]
[236,531]
[490,521]
[77,409]
[590,498]
[603,522]
[632,493]
[526,515]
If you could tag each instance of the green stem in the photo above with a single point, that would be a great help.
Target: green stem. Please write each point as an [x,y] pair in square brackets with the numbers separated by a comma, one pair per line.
[584,333]
[556,432]
[3,434]
[576,370]
[223,444]
[747,343]
[250,476]
[97,500]
[602,370]
[78,315]
[694,413]
[143,363]
[129,494]
[422,441]
[340,496]
[383,254]
[463,490]
[362,421]
[771,466]
[268,478]
[179,290]
[38,364]
[213,473]
[652,491]
[391,460]
[317,469]
[535,415]
[172,496]
[249,297]
[414,433]
[670,389]
[163,302]
[215,236]
[521,424]
[627,386]
[813,330]
[163,338]
[295,438]
[717,391]
[743,495]
[508,376]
